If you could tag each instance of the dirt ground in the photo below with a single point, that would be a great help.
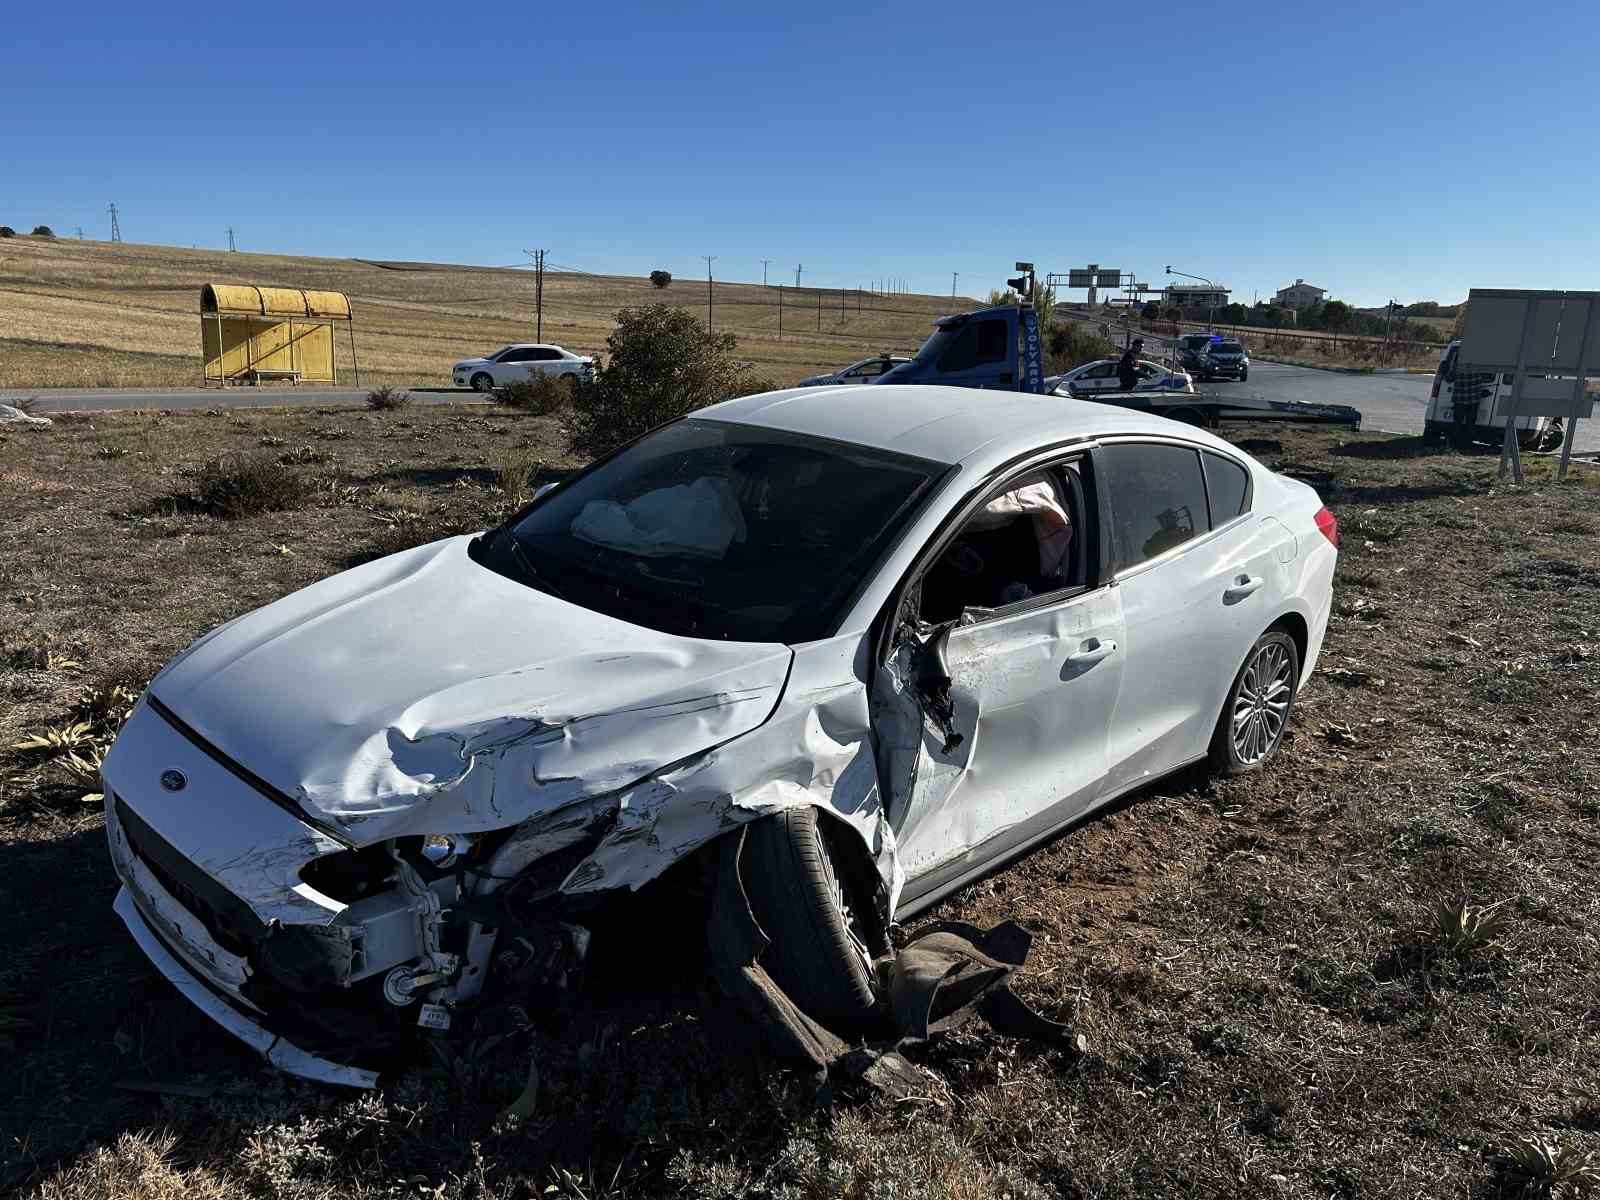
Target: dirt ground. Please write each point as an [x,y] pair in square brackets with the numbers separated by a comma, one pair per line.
[98,314]
[1273,1003]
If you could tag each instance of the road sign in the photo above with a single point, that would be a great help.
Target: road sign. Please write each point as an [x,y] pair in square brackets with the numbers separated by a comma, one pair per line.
[1107,278]
[1549,342]
[1077,278]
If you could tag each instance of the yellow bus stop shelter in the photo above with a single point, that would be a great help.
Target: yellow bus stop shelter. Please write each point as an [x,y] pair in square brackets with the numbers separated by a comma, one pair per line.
[253,334]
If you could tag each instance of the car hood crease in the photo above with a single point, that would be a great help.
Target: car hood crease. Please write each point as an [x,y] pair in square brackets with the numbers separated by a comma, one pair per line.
[423,693]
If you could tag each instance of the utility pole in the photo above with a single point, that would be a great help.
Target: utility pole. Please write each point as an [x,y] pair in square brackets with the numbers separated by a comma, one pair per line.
[819,310]
[80,233]
[780,312]
[710,258]
[116,230]
[232,249]
[954,275]
[538,291]
[764,263]
[797,275]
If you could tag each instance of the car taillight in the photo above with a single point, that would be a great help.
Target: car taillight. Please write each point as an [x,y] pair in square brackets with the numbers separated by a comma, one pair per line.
[1328,524]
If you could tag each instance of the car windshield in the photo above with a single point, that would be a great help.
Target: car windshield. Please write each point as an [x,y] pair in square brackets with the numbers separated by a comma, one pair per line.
[715,530]
[1228,348]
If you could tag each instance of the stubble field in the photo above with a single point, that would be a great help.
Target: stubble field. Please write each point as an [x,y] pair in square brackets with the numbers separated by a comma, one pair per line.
[1275,1002]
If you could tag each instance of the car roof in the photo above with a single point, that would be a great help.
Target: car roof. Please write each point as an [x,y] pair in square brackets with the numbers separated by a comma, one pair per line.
[971,426]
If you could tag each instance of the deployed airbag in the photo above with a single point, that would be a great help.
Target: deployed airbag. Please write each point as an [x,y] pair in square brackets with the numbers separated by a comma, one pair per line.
[701,518]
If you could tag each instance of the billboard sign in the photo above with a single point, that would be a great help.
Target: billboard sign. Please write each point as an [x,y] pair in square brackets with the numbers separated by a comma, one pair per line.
[1107,278]
[1080,278]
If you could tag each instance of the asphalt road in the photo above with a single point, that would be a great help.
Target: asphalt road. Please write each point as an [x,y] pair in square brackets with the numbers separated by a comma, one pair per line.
[103,399]
[1391,403]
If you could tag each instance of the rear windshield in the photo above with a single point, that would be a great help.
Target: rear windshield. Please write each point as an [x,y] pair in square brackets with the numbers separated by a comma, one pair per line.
[715,530]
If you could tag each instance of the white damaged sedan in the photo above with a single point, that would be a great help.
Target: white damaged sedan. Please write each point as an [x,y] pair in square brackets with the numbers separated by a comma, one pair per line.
[893,644]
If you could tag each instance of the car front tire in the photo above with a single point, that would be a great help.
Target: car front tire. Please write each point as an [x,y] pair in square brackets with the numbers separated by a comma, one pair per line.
[1256,713]
[800,896]
[483,382]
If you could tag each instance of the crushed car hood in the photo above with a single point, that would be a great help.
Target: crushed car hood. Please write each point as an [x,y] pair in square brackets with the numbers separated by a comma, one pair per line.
[423,693]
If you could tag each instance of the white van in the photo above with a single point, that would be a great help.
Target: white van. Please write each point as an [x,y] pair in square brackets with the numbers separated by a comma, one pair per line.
[1461,408]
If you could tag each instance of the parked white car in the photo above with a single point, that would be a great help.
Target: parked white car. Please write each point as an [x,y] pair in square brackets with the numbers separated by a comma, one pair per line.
[888,646]
[1101,376]
[517,362]
[866,370]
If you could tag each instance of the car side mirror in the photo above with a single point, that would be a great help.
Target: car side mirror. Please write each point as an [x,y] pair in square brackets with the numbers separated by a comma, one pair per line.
[931,680]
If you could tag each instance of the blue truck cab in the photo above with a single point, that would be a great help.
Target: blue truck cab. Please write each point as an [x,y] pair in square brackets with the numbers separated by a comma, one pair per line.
[986,348]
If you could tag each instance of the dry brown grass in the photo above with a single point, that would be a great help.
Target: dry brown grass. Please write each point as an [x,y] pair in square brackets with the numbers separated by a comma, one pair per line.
[94,314]
[1255,962]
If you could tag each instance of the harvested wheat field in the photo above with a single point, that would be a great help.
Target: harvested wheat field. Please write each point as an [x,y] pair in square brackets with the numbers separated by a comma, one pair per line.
[102,314]
[1372,971]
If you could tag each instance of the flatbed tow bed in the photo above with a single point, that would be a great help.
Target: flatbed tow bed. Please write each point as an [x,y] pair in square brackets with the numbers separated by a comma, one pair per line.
[1211,409]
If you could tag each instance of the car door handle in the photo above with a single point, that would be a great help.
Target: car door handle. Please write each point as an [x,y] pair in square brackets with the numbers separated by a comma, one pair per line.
[1092,651]
[1241,587]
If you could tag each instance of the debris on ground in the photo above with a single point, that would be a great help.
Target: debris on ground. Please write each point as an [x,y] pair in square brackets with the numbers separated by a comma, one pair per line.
[945,975]
[10,415]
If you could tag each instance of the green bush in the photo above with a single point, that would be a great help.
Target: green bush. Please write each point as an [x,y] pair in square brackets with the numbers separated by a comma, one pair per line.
[7,231]
[1070,345]
[387,399]
[660,279]
[659,366]
[43,231]
[246,485]
[539,394]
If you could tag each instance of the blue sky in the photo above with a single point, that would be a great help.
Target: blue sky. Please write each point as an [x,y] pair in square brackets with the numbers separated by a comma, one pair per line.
[1410,150]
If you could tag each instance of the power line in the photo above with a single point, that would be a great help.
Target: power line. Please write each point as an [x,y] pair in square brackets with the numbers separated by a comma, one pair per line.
[116,230]
[710,258]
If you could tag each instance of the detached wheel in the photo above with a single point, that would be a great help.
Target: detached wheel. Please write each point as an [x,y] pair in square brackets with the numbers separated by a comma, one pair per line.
[800,897]
[483,382]
[1259,703]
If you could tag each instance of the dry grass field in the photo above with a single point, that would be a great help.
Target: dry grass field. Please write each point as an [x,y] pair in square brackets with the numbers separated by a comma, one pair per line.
[1281,992]
[97,314]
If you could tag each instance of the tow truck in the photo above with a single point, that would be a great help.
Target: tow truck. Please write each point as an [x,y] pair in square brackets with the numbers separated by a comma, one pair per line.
[1000,347]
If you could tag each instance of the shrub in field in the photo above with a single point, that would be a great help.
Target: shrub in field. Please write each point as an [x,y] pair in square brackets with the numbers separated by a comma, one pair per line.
[245,485]
[539,394]
[387,399]
[659,365]
[43,231]
[1066,346]
[660,279]
[7,231]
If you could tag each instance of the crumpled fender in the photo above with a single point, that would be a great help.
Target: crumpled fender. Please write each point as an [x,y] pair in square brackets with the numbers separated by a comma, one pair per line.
[815,749]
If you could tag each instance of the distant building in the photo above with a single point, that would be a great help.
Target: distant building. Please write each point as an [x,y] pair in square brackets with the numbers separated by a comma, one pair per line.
[1299,294]
[1194,295]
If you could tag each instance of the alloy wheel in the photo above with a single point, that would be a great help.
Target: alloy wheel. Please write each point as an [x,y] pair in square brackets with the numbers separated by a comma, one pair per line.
[1261,706]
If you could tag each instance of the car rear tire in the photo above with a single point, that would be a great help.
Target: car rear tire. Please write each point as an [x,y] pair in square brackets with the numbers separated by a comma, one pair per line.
[1251,725]
[483,382]
[800,896]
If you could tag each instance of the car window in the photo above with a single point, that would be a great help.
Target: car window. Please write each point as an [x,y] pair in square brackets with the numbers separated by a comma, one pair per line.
[869,370]
[1158,498]
[1103,371]
[979,342]
[1227,488]
[1146,371]
[514,356]
[545,354]
[717,530]
[1027,540]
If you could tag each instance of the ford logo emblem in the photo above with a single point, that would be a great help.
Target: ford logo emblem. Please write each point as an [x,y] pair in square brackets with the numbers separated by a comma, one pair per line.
[174,780]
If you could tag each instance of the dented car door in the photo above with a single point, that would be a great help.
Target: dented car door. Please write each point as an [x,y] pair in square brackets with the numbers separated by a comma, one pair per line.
[993,726]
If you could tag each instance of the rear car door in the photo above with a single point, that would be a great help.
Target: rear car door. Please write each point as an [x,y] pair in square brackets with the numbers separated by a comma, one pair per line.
[1200,577]
[992,706]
